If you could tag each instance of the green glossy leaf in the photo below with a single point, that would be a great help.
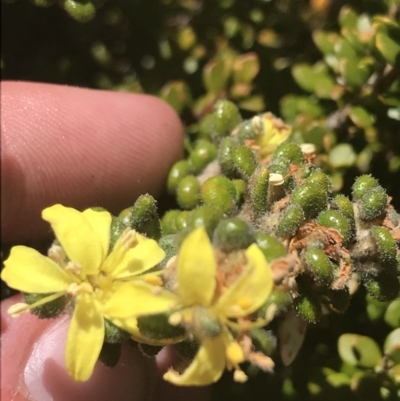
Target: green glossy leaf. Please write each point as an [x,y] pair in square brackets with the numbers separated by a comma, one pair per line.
[255,103]
[342,155]
[392,314]
[392,345]
[215,76]
[325,41]
[304,75]
[245,68]
[375,308]
[388,47]
[347,17]
[360,117]
[177,94]
[354,73]
[359,350]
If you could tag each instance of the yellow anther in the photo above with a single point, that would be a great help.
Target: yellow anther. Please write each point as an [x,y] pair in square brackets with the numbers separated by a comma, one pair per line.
[17,309]
[129,238]
[56,253]
[75,289]
[153,279]
[239,376]
[74,268]
[234,353]
[244,303]
[175,319]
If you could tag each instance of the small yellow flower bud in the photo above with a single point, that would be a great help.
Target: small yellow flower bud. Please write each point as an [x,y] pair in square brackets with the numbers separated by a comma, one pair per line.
[175,319]
[239,376]
[74,268]
[234,353]
[56,253]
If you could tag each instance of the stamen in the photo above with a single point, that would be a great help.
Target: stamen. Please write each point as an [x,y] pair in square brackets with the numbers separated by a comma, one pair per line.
[18,309]
[175,319]
[153,279]
[75,289]
[257,125]
[234,353]
[56,253]
[129,238]
[276,179]
[74,268]
[308,148]
[239,376]
[244,303]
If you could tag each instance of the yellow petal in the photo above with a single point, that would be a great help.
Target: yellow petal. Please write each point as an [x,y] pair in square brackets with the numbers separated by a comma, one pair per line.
[197,269]
[85,338]
[136,298]
[29,271]
[77,233]
[250,290]
[206,368]
[123,263]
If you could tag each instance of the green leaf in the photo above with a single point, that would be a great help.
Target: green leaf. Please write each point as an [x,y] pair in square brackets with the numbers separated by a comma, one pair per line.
[389,48]
[392,345]
[361,118]
[392,314]
[359,350]
[347,17]
[245,68]
[325,41]
[177,94]
[255,103]
[304,75]
[342,155]
[354,73]
[215,76]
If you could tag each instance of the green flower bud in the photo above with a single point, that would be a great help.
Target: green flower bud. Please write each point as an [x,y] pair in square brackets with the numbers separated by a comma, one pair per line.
[373,203]
[321,180]
[246,131]
[205,325]
[241,189]
[157,327]
[386,245]
[258,189]
[308,308]
[204,126]
[336,220]
[117,228]
[291,220]
[187,349]
[113,334]
[264,341]
[311,198]
[233,234]
[245,160]
[188,193]
[344,205]
[290,151]
[226,117]
[168,222]
[271,247]
[219,192]
[82,11]
[279,298]
[49,310]
[318,265]
[339,300]
[203,154]
[363,184]
[384,287]
[178,171]
[167,243]
[110,354]
[225,152]
[150,350]
[143,217]
[207,216]
[182,220]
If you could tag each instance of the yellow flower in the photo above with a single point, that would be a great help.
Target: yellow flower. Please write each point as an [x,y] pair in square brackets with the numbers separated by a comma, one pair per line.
[83,270]
[207,312]
[271,132]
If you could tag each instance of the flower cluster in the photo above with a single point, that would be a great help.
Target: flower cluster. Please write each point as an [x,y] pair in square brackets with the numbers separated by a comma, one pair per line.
[121,285]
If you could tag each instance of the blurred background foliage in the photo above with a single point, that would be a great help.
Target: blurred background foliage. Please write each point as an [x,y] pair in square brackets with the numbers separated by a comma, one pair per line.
[330,68]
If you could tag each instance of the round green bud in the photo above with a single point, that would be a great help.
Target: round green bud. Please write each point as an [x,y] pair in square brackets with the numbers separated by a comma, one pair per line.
[334,219]
[373,203]
[178,171]
[290,221]
[168,222]
[110,354]
[182,220]
[386,244]
[82,11]
[384,287]
[167,243]
[362,184]
[241,189]
[114,334]
[226,117]
[225,152]
[320,179]
[157,327]
[233,234]
[271,247]
[245,160]
[219,192]
[150,350]
[318,265]
[205,216]
[258,188]
[308,308]
[49,310]
[204,127]
[246,131]
[344,205]
[311,198]
[263,341]
[290,151]
[203,154]
[188,192]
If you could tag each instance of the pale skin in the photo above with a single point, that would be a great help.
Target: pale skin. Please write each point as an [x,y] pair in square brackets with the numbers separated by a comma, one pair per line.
[81,148]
